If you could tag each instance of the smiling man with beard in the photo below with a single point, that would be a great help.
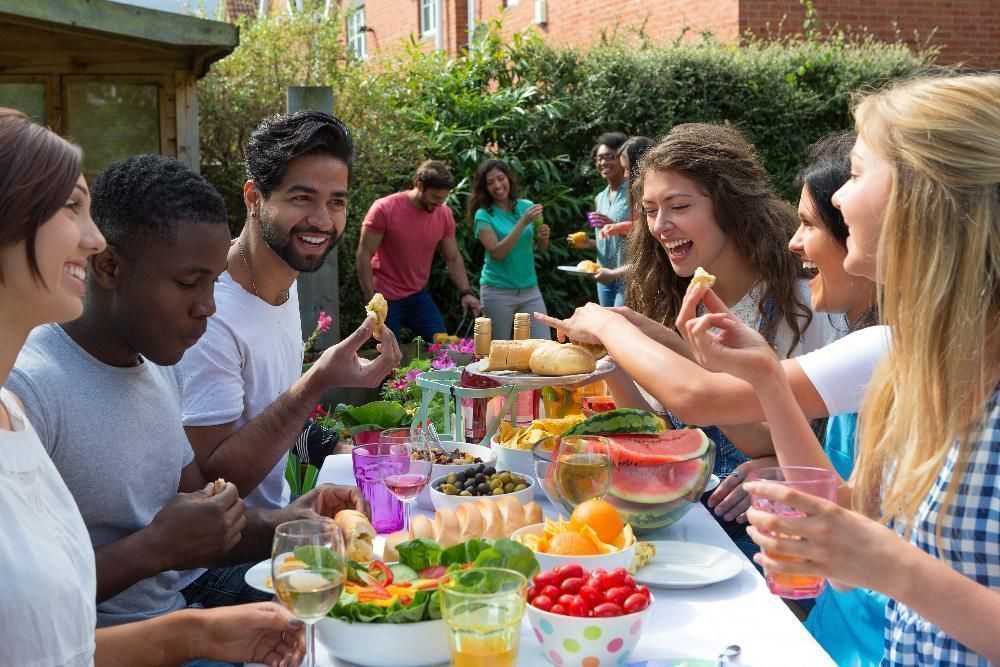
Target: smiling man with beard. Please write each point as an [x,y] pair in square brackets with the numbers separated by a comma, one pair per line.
[245,398]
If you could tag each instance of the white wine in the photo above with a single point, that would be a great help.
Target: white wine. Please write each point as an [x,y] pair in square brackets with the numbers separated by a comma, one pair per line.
[309,594]
[582,477]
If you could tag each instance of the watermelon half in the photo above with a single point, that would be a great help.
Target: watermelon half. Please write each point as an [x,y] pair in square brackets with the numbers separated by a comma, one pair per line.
[651,470]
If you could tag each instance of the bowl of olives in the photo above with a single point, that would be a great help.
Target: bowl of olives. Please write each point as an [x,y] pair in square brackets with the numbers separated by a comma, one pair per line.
[480,481]
[452,457]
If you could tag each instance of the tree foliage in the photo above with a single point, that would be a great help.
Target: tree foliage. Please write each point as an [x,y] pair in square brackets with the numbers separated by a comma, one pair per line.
[538,106]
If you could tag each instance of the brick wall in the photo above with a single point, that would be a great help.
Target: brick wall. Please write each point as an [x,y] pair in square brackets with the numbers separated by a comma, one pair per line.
[969,30]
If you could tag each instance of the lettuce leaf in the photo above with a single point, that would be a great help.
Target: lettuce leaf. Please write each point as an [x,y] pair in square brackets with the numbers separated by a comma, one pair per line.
[420,553]
[377,414]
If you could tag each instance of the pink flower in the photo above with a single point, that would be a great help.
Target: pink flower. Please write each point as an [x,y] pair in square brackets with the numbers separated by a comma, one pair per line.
[317,411]
[434,347]
[412,375]
[324,321]
[442,363]
[400,385]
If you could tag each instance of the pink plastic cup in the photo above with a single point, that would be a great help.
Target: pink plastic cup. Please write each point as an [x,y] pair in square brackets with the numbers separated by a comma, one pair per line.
[815,482]
[387,509]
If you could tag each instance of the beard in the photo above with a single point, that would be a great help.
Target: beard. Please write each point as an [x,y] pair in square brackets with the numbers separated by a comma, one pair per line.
[281,243]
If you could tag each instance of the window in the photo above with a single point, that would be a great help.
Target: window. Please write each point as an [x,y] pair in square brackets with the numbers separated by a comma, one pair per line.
[112,120]
[25,95]
[356,36]
[428,17]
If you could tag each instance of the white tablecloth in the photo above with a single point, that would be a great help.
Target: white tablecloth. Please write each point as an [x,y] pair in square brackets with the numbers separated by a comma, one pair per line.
[685,623]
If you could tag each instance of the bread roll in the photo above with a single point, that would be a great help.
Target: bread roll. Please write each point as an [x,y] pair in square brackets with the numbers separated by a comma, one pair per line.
[533,514]
[596,349]
[378,308]
[512,355]
[470,521]
[218,486]
[389,553]
[588,266]
[512,512]
[493,520]
[702,278]
[421,526]
[446,529]
[554,359]
[358,535]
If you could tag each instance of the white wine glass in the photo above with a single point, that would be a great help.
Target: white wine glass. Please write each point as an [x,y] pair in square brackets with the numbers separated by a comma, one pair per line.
[308,570]
[583,468]
[404,465]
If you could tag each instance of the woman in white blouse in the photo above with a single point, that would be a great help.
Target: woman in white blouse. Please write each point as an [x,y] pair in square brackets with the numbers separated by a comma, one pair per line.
[48,612]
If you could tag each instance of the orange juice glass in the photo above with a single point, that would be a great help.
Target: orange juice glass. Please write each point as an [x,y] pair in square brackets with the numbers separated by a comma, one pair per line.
[814,481]
[483,608]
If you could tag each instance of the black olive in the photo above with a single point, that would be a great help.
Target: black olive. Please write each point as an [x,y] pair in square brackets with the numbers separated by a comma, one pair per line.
[461,477]
[480,477]
[490,471]
[480,468]
[484,488]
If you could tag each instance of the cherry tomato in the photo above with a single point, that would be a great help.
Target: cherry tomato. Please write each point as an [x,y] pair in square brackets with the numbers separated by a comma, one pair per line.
[578,607]
[550,591]
[645,591]
[629,582]
[569,570]
[543,579]
[615,578]
[559,609]
[592,595]
[566,600]
[532,592]
[599,572]
[597,579]
[572,585]
[635,602]
[606,609]
[542,602]
[617,595]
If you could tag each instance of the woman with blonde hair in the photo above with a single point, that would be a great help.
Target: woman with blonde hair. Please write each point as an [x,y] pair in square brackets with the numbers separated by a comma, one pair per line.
[923,209]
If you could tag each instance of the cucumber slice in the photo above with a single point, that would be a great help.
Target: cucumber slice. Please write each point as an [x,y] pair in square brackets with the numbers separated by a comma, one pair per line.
[403,573]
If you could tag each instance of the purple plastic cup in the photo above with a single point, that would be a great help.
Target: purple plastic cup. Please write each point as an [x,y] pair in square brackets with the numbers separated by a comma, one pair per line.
[387,509]
[594,221]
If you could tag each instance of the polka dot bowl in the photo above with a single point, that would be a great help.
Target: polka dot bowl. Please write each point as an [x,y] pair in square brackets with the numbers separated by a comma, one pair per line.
[568,641]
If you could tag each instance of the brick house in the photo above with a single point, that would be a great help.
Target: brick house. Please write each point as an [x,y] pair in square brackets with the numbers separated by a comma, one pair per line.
[967,30]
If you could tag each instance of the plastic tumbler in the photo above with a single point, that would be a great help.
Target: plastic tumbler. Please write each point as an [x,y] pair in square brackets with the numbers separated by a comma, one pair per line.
[594,221]
[815,482]
[483,609]
[387,510]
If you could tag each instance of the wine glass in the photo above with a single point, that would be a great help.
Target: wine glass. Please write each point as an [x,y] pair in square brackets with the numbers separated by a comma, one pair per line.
[308,569]
[404,465]
[543,454]
[583,468]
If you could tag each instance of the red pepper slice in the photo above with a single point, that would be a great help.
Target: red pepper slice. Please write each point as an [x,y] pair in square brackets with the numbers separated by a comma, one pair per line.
[405,601]
[428,584]
[377,568]
[372,582]
[369,595]
[433,572]
[403,584]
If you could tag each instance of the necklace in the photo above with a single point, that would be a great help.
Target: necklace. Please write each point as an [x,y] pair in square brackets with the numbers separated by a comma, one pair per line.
[282,296]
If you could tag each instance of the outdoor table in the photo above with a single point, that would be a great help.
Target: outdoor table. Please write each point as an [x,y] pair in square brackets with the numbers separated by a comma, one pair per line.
[693,623]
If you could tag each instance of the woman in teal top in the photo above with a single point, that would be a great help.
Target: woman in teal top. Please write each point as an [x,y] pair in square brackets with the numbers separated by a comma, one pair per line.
[510,230]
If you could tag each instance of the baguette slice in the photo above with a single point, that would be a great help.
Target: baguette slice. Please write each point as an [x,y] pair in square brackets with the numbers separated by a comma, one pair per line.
[378,308]
[702,278]
[512,355]
[358,535]
[470,521]
[447,532]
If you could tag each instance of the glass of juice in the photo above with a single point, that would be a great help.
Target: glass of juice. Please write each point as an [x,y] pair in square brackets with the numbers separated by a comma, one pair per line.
[308,570]
[562,402]
[583,468]
[483,608]
[814,481]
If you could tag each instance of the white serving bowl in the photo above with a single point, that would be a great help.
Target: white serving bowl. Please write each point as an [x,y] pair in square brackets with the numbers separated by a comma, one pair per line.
[440,470]
[440,500]
[547,562]
[571,641]
[386,644]
[514,460]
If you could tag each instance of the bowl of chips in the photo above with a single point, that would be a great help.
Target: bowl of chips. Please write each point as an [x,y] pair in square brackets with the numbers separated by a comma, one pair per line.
[513,444]
[594,536]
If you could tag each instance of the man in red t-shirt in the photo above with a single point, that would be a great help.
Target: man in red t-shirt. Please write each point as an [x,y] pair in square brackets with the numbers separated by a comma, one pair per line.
[399,237]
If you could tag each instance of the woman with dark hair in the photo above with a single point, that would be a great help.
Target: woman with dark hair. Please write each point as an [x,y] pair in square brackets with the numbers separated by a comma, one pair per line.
[508,283]
[49,610]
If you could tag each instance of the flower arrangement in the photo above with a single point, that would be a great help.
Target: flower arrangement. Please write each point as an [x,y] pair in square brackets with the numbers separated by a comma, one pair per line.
[442,359]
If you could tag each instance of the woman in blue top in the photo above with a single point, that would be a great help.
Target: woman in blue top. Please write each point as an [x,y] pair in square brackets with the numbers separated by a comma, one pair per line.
[510,230]
[922,205]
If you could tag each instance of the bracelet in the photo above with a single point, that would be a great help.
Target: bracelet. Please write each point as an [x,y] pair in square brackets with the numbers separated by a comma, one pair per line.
[466,292]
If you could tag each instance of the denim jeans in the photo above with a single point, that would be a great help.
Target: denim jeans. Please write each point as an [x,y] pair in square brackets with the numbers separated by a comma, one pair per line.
[612,294]
[417,311]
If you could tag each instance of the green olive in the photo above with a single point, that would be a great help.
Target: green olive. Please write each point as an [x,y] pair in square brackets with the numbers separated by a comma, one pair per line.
[449,489]
[465,493]
[498,491]
[520,487]
[509,487]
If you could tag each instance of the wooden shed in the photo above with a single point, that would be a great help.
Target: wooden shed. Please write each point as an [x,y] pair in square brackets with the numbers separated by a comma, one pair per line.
[117,79]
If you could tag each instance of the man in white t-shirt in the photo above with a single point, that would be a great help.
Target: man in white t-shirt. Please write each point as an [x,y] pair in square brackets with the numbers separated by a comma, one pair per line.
[245,398]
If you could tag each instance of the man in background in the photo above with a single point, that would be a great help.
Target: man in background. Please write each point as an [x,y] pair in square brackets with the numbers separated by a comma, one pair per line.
[399,238]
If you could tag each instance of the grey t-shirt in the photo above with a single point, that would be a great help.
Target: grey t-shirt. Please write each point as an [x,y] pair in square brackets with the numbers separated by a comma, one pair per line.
[115,435]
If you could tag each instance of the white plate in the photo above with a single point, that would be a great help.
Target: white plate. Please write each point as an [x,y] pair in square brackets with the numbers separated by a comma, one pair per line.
[532,381]
[689,565]
[713,484]
[572,269]
[257,576]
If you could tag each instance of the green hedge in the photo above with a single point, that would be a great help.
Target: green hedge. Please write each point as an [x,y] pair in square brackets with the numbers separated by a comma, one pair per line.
[541,106]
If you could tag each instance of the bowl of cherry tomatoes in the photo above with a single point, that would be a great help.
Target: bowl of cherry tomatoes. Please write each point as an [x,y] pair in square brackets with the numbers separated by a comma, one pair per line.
[583,618]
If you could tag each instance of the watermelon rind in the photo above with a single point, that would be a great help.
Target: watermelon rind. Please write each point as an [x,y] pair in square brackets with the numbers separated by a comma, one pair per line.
[620,420]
